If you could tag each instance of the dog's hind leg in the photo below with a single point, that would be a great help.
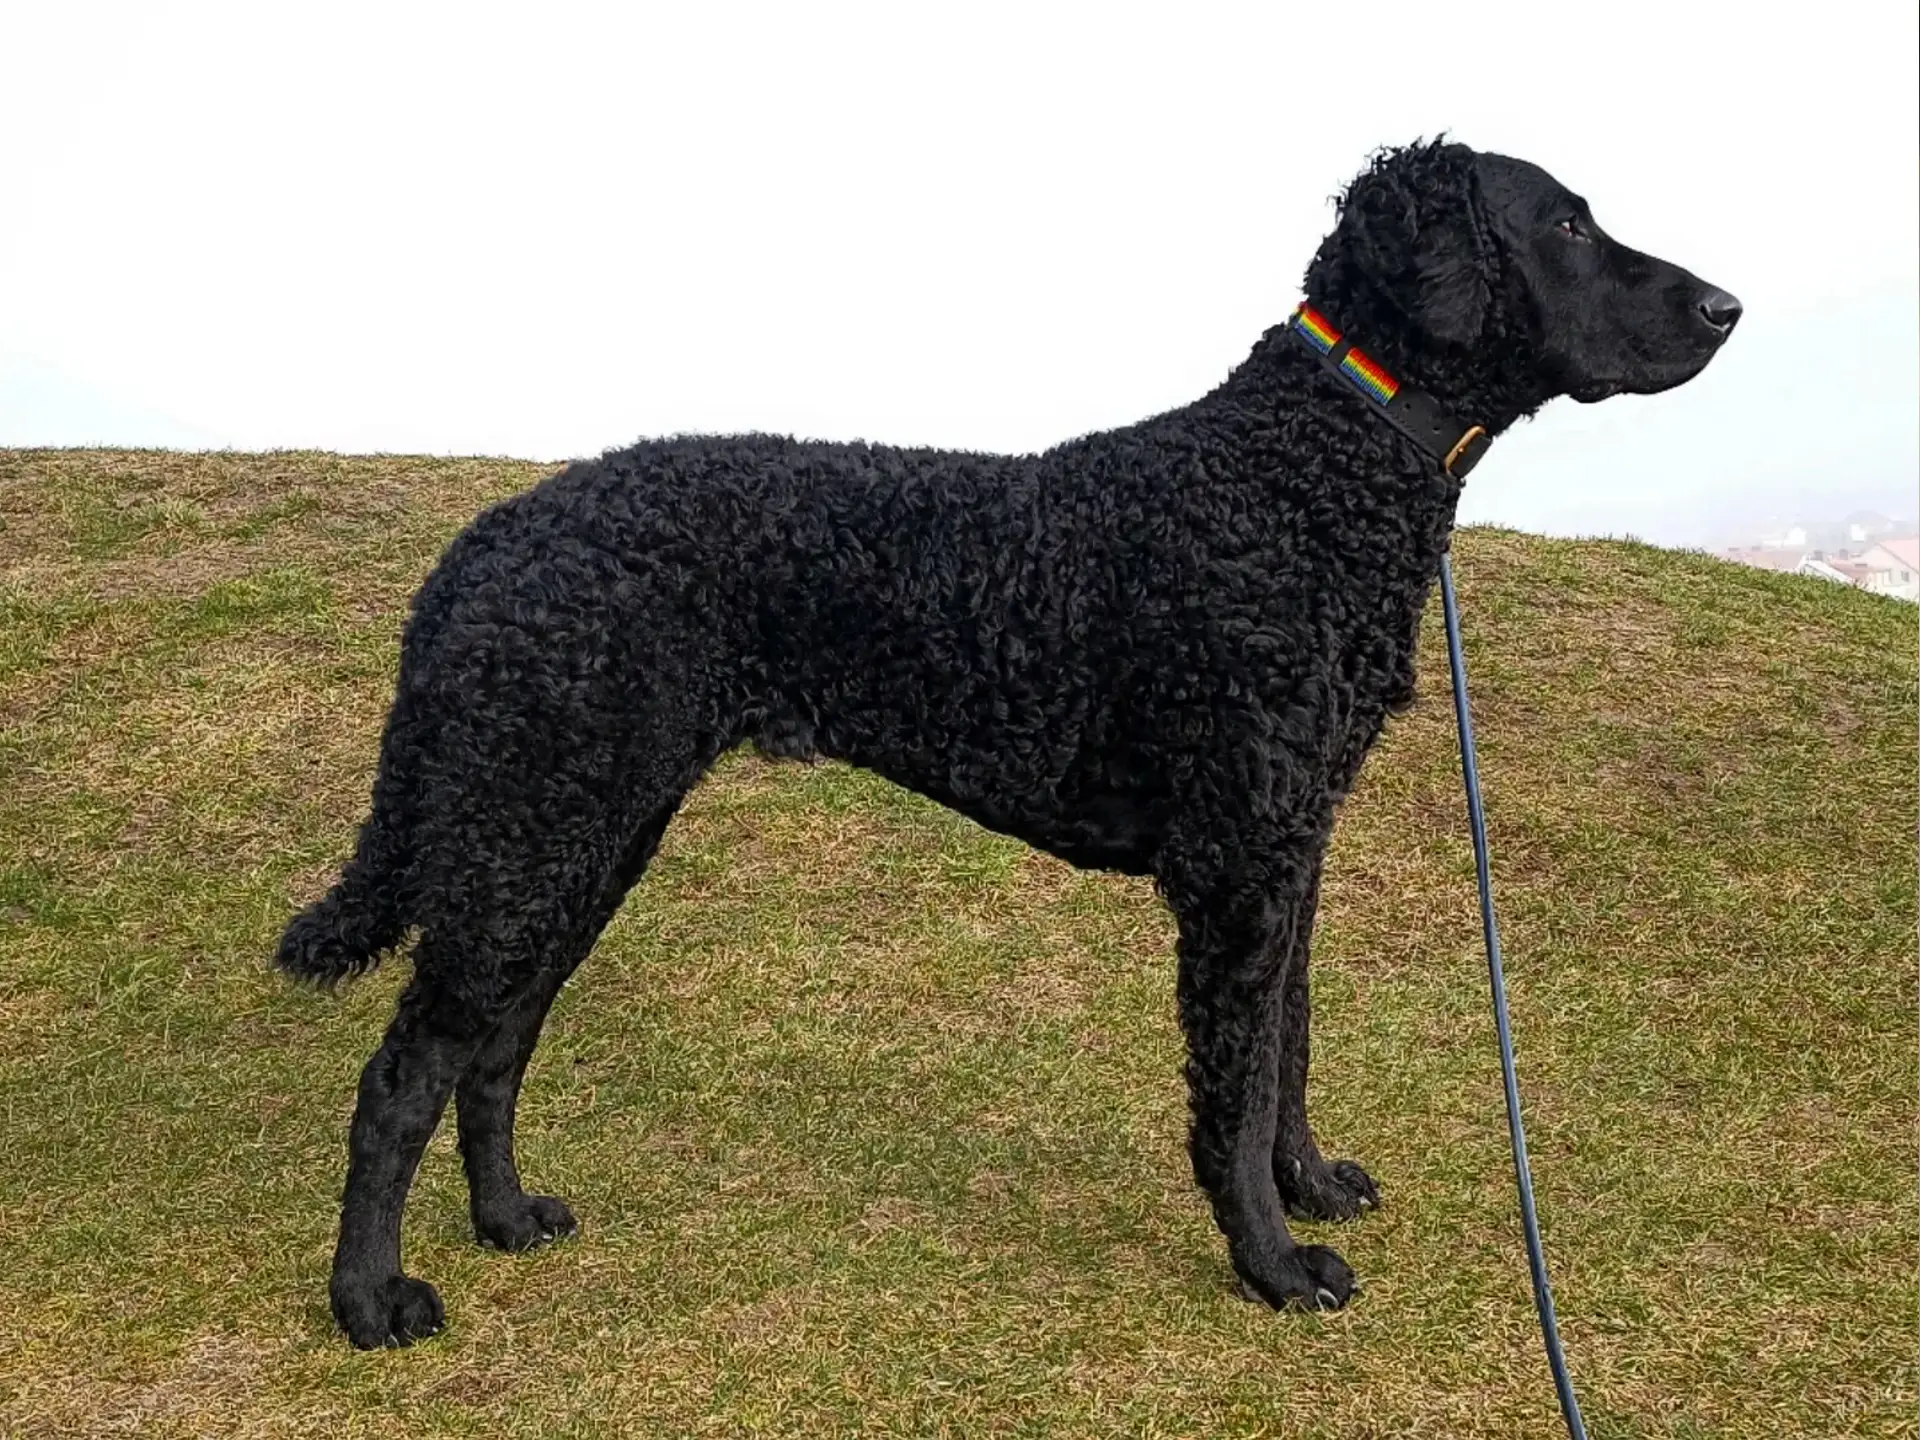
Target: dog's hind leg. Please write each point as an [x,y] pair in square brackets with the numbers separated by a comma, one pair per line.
[505,1216]
[403,1091]
[484,978]
[1312,1187]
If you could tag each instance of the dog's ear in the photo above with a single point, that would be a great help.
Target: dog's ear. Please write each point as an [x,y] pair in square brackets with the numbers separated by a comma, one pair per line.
[1452,293]
[1411,226]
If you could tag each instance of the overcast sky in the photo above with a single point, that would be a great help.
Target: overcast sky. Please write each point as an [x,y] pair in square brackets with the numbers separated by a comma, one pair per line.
[547,230]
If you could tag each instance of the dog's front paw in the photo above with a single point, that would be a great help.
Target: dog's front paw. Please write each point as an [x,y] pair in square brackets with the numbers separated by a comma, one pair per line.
[524,1221]
[1316,1190]
[391,1310]
[1305,1277]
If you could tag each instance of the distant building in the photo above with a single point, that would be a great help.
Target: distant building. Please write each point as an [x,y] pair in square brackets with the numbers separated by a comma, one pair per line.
[1794,537]
[1893,567]
[1845,572]
[1767,557]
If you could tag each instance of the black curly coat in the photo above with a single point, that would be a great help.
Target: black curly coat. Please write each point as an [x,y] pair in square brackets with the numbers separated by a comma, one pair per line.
[1162,650]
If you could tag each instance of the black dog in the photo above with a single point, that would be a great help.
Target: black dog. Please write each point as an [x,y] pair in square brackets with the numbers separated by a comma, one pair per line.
[1162,650]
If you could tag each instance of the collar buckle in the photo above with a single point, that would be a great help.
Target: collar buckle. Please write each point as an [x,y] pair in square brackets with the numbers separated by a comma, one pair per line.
[1474,432]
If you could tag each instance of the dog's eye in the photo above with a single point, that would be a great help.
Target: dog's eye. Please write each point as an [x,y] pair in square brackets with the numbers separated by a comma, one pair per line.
[1572,228]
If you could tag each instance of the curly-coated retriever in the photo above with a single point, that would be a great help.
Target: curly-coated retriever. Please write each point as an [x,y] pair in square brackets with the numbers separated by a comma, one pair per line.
[1162,650]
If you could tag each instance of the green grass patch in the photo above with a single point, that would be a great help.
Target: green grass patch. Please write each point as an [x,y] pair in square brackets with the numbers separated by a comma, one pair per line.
[874,1119]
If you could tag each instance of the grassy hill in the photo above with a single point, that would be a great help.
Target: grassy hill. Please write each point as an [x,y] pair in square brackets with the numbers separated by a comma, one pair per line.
[874,1120]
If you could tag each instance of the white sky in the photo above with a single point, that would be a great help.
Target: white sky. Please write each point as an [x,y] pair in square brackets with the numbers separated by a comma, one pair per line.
[543,230]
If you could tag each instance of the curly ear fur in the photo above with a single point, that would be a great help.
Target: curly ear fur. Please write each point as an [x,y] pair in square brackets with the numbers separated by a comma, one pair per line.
[1411,239]
[1455,291]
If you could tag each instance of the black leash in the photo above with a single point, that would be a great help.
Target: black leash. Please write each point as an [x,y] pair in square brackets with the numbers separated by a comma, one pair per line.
[1458,448]
[1476,817]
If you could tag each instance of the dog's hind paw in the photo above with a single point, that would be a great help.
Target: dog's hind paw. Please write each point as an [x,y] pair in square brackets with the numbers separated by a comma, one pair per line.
[523,1222]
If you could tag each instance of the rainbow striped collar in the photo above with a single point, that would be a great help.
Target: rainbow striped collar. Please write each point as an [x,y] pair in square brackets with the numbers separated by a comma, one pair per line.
[1411,411]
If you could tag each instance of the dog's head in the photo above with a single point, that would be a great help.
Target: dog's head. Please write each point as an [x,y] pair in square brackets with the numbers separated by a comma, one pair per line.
[1443,252]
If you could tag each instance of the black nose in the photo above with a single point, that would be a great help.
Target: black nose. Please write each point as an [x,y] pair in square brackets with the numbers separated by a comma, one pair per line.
[1720,310]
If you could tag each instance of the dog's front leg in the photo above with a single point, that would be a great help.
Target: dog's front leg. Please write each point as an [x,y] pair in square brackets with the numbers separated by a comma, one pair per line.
[1234,946]
[1312,1187]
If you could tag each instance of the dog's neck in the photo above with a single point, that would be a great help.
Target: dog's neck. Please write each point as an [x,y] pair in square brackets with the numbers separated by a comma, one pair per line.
[1492,382]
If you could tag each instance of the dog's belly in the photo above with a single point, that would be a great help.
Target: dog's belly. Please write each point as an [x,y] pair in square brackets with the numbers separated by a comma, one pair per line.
[1107,832]
[1102,830]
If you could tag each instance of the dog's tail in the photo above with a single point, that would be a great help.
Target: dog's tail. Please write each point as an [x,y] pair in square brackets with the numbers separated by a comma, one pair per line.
[346,931]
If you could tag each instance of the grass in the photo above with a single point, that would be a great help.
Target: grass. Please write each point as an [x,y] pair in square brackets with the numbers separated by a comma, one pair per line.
[873,1119]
